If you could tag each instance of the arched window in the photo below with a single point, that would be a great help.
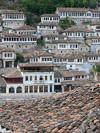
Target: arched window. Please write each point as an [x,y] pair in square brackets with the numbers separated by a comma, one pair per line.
[41,78]
[11,90]
[19,89]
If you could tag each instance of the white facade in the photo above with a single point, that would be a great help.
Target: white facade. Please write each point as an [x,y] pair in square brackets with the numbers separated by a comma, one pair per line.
[47,29]
[78,15]
[50,18]
[38,81]
[13,19]
[54,37]
[7,56]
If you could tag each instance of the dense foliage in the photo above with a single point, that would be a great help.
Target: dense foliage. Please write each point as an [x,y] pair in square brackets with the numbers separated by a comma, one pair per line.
[34,8]
[66,23]
[19,59]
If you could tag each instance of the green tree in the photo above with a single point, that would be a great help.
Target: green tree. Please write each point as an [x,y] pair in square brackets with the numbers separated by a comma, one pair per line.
[67,3]
[97,69]
[71,3]
[29,5]
[19,59]
[85,3]
[92,3]
[66,23]
[44,6]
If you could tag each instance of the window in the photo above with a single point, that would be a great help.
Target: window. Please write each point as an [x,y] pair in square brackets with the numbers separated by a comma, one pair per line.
[26,89]
[30,78]
[55,80]
[31,89]
[58,80]
[35,77]
[67,78]
[11,55]
[50,77]
[82,77]
[79,60]
[70,60]
[88,14]
[41,78]
[45,77]
[26,78]
[5,55]
[64,59]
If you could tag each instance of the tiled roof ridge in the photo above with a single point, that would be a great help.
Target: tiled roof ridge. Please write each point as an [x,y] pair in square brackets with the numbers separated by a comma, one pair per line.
[10,73]
[24,26]
[77,111]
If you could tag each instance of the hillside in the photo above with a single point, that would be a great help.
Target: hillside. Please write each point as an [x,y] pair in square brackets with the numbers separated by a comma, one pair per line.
[34,8]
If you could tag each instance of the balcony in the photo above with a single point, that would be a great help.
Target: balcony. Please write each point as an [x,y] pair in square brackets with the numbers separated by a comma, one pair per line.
[37,70]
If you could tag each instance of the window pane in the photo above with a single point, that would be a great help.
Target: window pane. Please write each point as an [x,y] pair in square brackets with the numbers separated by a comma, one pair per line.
[26,89]
[30,78]
[26,78]
[45,77]
[35,89]
[31,89]
[35,77]
[50,77]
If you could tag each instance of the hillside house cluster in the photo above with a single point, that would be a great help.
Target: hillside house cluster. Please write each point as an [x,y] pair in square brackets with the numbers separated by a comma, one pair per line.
[40,78]
[69,57]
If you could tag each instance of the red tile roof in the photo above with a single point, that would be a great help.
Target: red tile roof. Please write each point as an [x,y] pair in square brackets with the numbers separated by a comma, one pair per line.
[50,15]
[12,74]
[72,9]
[75,112]
[25,27]
[12,12]
[78,30]
[81,82]
[95,23]
[72,73]
[48,24]
[93,37]
[35,65]
[3,49]
[36,54]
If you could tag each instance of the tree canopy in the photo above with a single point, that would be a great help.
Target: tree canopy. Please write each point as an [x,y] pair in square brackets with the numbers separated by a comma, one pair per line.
[38,7]
[66,23]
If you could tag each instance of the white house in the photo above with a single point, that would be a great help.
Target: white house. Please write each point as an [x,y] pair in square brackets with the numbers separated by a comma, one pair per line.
[7,57]
[18,42]
[95,26]
[51,37]
[78,34]
[82,61]
[78,15]
[37,77]
[50,18]
[94,42]
[41,57]
[66,46]
[24,30]
[48,28]
[13,19]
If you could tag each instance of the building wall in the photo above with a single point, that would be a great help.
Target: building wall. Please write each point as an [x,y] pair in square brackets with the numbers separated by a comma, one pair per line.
[19,47]
[54,48]
[14,86]
[37,83]
[13,23]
